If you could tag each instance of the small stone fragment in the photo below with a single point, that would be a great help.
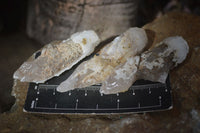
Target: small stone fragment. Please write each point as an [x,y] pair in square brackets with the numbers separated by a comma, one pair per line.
[156,63]
[97,69]
[57,57]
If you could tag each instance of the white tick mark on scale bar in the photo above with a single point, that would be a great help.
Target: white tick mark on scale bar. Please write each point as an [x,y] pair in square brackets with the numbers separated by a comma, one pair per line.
[117,94]
[54,92]
[160,100]
[97,106]
[118,103]
[32,104]
[70,93]
[85,93]
[149,91]
[36,87]
[55,105]
[76,104]
[133,92]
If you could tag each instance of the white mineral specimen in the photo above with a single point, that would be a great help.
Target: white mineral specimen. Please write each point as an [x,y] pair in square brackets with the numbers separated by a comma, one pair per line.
[156,63]
[57,57]
[99,68]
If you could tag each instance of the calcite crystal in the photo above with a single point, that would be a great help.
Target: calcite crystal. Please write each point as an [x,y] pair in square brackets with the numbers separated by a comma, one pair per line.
[97,69]
[156,62]
[57,57]
[153,65]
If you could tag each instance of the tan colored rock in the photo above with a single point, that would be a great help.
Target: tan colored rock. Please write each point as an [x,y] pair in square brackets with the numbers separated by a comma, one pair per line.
[184,117]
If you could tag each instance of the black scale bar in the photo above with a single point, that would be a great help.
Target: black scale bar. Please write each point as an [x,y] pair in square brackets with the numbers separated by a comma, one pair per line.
[143,96]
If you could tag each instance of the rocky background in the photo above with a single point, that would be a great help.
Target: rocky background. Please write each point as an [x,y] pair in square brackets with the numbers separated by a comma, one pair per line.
[185,80]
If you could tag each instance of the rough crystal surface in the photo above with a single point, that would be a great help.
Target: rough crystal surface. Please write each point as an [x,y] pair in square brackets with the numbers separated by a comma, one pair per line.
[57,57]
[156,63]
[122,77]
[97,69]
[153,65]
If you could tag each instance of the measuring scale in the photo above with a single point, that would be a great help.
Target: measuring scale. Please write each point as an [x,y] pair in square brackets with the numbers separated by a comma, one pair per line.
[143,96]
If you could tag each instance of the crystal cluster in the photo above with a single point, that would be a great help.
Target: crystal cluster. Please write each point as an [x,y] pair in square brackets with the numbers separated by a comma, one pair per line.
[117,65]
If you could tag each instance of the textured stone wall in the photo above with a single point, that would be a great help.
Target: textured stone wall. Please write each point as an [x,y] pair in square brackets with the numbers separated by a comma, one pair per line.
[53,20]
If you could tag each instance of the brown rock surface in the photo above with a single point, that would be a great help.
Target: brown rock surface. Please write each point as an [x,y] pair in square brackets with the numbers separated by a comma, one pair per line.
[184,117]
